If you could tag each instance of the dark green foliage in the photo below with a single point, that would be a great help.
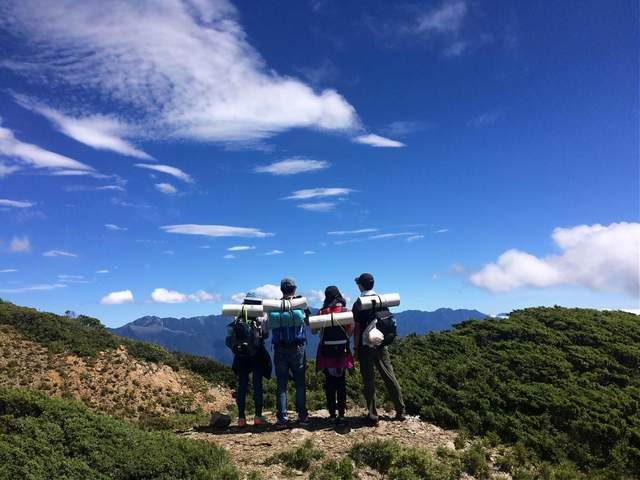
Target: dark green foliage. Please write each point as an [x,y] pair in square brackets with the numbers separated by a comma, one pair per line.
[86,337]
[404,463]
[299,458]
[42,437]
[562,383]
[333,470]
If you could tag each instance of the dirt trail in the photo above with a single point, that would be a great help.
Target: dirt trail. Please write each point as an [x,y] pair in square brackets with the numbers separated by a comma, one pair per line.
[250,446]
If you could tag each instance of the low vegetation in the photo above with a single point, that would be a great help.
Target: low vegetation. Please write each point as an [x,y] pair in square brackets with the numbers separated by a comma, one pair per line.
[43,437]
[562,385]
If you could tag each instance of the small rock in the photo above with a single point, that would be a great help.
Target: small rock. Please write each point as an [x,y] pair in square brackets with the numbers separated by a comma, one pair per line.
[220,420]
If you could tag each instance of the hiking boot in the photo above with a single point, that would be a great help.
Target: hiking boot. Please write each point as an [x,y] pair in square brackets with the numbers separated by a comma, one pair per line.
[260,420]
[370,421]
[303,419]
[282,423]
[400,417]
[242,422]
[340,422]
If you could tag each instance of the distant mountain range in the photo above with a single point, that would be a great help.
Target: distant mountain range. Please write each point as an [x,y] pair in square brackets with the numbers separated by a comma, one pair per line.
[205,335]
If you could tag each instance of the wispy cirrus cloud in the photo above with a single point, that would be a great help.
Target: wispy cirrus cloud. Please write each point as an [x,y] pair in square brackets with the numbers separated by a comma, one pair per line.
[309,193]
[24,154]
[4,202]
[189,74]
[240,248]
[169,170]
[34,288]
[392,235]
[485,119]
[598,257]
[102,132]
[317,206]
[274,252]
[353,232]
[293,166]
[166,188]
[378,141]
[216,230]
[115,228]
[9,270]
[58,253]
[402,128]
[19,244]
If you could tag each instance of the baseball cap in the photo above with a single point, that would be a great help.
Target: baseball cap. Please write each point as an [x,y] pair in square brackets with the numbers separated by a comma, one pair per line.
[287,284]
[365,279]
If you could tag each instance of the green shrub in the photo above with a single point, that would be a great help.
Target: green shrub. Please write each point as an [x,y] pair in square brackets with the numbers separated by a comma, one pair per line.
[42,437]
[333,470]
[299,458]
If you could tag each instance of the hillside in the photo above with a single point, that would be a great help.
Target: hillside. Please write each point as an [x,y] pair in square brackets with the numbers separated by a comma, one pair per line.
[205,335]
[560,384]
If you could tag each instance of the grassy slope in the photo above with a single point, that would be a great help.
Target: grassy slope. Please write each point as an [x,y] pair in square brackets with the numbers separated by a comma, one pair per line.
[563,383]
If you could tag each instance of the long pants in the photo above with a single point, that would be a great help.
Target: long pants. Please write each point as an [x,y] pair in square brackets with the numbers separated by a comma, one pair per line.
[241,392]
[290,359]
[380,359]
[335,389]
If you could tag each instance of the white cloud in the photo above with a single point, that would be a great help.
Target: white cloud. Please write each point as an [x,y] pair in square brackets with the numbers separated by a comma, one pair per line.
[101,132]
[102,271]
[189,73]
[115,228]
[34,156]
[169,170]
[309,193]
[309,252]
[117,188]
[598,257]
[19,244]
[202,296]
[317,206]
[392,235]
[292,166]
[162,295]
[403,128]
[315,297]
[72,279]
[445,19]
[240,248]
[229,256]
[168,252]
[58,253]
[34,288]
[377,141]
[216,231]
[6,170]
[238,297]
[353,232]
[9,270]
[166,188]
[414,238]
[117,298]
[442,230]
[485,119]
[274,252]
[268,291]
[15,203]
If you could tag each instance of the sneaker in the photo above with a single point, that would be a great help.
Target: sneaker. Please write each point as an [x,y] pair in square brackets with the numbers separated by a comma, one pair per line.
[260,420]
[282,422]
[242,422]
[303,419]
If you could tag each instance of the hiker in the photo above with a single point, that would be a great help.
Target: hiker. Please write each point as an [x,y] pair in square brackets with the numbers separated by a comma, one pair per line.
[372,356]
[334,356]
[246,341]
[288,336]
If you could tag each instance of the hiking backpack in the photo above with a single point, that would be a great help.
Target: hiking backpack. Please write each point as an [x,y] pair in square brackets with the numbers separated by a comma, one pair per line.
[245,336]
[386,323]
[335,341]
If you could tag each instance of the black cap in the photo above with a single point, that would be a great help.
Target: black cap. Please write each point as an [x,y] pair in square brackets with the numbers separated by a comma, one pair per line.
[366,280]
[287,285]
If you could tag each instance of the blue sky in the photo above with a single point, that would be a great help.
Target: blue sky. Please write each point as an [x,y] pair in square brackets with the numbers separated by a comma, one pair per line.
[470,154]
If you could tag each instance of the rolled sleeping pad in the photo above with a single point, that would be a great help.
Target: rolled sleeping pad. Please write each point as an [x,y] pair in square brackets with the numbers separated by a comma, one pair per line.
[386,300]
[317,322]
[252,311]
[284,305]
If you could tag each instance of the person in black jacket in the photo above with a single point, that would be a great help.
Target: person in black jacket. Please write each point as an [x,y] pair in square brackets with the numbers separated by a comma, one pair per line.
[371,357]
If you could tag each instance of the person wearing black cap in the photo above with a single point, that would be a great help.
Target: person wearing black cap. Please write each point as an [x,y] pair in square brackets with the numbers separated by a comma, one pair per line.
[288,335]
[372,358]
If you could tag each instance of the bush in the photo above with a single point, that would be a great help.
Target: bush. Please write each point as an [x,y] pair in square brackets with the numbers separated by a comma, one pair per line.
[299,458]
[333,470]
[43,437]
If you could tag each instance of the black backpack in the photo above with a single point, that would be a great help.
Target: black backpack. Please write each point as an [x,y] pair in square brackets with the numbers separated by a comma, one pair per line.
[386,323]
[245,336]
[335,342]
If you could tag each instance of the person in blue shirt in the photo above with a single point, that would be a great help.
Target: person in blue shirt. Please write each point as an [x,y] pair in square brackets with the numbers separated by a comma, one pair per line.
[288,336]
